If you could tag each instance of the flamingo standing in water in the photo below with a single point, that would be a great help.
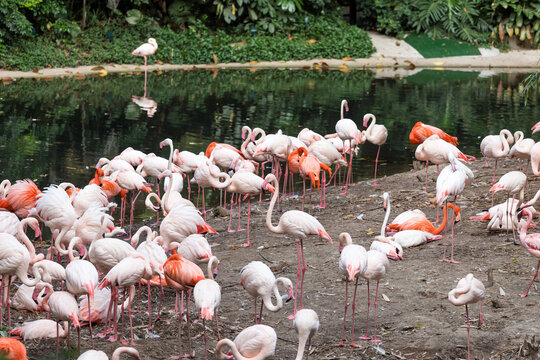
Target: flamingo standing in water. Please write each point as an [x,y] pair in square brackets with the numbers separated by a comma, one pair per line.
[299,225]
[258,280]
[352,264]
[469,290]
[182,275]
[346,129]
[306,324]
[255,342]
[145,50]
[531,242]
[496,147]
[375,134]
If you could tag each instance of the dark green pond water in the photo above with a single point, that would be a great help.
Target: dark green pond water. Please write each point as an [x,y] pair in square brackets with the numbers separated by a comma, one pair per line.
[56,130]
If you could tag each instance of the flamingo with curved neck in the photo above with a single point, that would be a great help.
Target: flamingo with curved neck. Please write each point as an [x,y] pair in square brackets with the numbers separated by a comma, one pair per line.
[306,324]
[346,129]
[423,224]
[375,134]
[256,342]
[496,147]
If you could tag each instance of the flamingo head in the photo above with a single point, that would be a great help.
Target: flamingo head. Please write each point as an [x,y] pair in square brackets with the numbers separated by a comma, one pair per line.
[314,176]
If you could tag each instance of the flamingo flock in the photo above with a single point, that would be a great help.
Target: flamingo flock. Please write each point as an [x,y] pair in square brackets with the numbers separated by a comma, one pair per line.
[88,275]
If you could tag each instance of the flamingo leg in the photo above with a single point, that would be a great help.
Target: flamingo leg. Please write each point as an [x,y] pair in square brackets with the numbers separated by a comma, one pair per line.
[131,289]
[57,339]
[349,173]
[453,220]
[427,165]
[230,215]
[468,333]
[90,320]
[534,277]
[217,325]
[190,354]
[297,280]
[341,343]
[205,341]
[445,234]
[284,195]
[374,338]
[114,337]
[374,183]
[249,215]
[203,205]
[122,324]
[160,300]
[260,313]
[149,304]
[7,301]
[353,344]
[303,274]
[365,336]
[132,208]
[145,75]
[239,213]
[303,193]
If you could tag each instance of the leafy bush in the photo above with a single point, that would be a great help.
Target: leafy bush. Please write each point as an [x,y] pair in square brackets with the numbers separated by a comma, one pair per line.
[392,16]
[517,17]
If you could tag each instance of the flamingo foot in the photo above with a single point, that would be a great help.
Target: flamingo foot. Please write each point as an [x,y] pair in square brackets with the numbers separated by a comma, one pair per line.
[375,340]
[523,295]
[444,260]
[240,229]
[452,261]
[343,193]
[123,342]
[231,231]
[353,344]
[374,184]
[112,338]
[364,337]
[341,344]
[320,207]
[246,244]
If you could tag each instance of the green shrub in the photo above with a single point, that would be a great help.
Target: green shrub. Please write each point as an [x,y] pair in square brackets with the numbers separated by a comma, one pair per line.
[517,17]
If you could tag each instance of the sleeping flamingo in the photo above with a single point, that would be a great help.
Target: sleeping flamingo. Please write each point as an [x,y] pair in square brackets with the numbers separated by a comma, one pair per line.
[469,290]
[421,132]
[514,183]
[256,342]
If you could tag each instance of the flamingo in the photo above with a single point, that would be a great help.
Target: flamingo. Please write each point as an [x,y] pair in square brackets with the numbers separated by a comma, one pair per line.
[196,249]
[522,148]
[497,147]
[127,273]
[375,134]
[423,224]
[308,136]
[421,132]
[469,290]
[81,278]
[9,222]
[410,238]
[377,266]
[387,245]
[513,182]
[346,129]
[258,280]
[145,50]
[88,197]
[23,299]
[188,162]
[207,295]
[310,166]
[352,264]
[256,342]
[100,355]
[246,184]
[327,154]
[132,181]
[451,181]
[100,306]
[306,324]
[299,225]
[63,307]
[182,275]
[535,158]
[208,175]
[531,242]
[132,156]
[12,349]
[21,198]
[40,329]
[111,166]
[536,128]
[5,185]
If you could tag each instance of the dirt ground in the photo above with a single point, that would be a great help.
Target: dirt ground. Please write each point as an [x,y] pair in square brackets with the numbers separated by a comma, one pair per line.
[415,319]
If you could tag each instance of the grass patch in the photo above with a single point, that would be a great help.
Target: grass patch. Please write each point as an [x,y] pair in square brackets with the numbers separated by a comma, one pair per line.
[435,48]
[438,76]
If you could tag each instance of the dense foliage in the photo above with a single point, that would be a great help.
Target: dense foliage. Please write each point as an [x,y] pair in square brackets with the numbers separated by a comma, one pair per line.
[473,21]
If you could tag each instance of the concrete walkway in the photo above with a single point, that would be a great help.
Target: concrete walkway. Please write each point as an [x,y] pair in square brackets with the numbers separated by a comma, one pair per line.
[393,57]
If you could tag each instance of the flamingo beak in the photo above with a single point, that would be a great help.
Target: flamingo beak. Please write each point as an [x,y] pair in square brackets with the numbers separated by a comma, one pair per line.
[290,294]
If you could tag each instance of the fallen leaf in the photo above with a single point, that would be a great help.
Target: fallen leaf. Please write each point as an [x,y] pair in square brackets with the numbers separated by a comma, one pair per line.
[385,298]
[214,56]
[103,73]
[253,62]
[312,41]
[344,68]
[438,63]
[370,233]
[501,291]
[347,58]
[411,65]
[419,324]
[79,76]
[159,62]
[97,68]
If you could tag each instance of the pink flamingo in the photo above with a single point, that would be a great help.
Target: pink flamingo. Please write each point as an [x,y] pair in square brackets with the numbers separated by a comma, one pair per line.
[306,325]
[410,238]
[535,158]
[145,50]
[346,129]
[469,290]
[100,355]
[536,128]
[209,175]
[207,296]
[9,222]
[256,342]
[21,198]
[299,225]
[352,264]
[40,329]
[182,275]
[131,181]
[132,156]
[522,148]
[377,266]
[513,182]
[375,134]
[310,167]
[531,242]
[497,147]
[258,280]
[451,181]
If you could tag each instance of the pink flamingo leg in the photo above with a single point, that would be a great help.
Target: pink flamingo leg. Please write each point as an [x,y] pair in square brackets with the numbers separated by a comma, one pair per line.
[303,193]
[353,344]
[341,343]
[131,214]
[366,337]
[114,337]
[322,203]
[376,161]
[297,281]
[217,325]
[230,215]
[374,338]
[205,341]
[260,312]
[349,173]
[203,205]
[90,320]
[453,218]
[427,165]
[255,303]
[239,213]
[149,304]
[468,333]
[303,274]
[534,277]
[249,215]
[160,300]
[122,324]
[445,235]
[131,289]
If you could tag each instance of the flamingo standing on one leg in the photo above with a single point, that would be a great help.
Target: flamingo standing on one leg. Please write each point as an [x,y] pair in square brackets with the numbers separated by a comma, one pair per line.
[531,242]
[352,264]
[375,134]
[469,290]
[306,324]
[299,225]
[145,50]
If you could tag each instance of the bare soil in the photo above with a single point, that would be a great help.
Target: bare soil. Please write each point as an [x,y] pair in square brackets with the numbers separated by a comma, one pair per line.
[416,321]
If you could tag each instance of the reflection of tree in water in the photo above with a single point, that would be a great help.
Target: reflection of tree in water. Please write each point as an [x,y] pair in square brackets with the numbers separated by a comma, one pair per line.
[59,127]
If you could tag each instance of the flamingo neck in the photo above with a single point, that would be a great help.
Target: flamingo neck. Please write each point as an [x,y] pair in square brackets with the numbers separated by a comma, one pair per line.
[272,228]
[454,295]
[386,217]
[302,340]
[267,299]
[234,350]
[21,235]
[445,218]
[244,145]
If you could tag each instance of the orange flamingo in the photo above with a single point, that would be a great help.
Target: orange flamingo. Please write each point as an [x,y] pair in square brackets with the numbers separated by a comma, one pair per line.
[182,275]
[12,349]
[310,166]
[421,132]
[423,224]
[21,198]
